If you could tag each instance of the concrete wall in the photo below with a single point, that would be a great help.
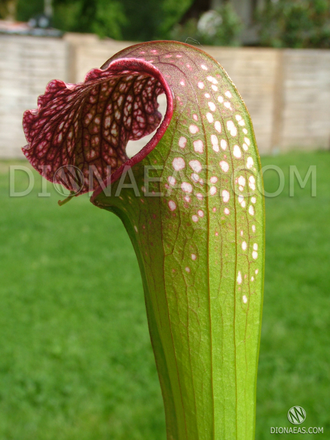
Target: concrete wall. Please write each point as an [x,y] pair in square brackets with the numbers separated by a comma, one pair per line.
[27,64]
[286,91]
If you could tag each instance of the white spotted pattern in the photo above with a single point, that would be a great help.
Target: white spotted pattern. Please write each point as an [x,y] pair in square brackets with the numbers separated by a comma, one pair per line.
[217,126]
[182,142]
[223,144]
[249,163]
[225,196]
[198,146]
[237,152]
[193,129]
[186,187]
[212,106]
[171,180]
[178,164]
[231,128]
[172,205]
[209,117]
[212,80]
[224,166]
[196,166]
[252,183]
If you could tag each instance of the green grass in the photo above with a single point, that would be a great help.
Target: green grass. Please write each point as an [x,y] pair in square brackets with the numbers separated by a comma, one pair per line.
[75,357]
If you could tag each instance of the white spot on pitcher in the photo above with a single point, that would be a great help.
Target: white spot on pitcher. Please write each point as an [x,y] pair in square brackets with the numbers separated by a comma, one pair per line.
[186,187]
[237,152]
[223,144]
[171,180]
[224,166]
[231,128]
[193,129]
[172,205]
[178,164]
[241,181]
[198,146]
[215,143]
[225,196]
[182,142]
[212,106]
[249,162]
[195,165]
[217,126]
[252,183]
[209,117]
[212,80]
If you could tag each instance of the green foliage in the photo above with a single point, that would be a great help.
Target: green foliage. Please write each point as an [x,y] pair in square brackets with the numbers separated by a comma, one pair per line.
[185,32]
[172,11]
[143,19]
[76,361]
[118,19]
[295,23]
[25,10]
[66,374]
[102,17]
[221,27]
[7,8]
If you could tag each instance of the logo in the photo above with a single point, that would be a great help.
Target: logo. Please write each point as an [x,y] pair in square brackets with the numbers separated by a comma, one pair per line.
[296,415]
[69,176]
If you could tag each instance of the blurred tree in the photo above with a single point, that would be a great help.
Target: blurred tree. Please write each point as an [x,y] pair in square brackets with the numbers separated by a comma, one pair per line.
[221,26]
[295,23]
[103,17]
[118,19]
[8,9]
[27,9]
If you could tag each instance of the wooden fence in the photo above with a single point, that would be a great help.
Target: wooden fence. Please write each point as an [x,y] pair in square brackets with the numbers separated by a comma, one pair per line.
[286,91]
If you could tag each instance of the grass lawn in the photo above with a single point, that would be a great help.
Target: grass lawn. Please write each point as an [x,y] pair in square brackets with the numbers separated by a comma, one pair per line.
[75,357]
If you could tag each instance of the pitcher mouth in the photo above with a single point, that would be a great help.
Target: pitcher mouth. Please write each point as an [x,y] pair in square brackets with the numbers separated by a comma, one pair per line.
[162,127]
[87,125]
